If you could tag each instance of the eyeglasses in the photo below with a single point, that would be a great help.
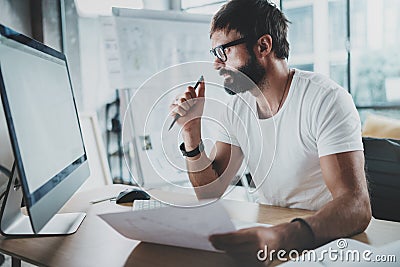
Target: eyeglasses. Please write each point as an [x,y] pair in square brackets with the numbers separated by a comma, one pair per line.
[219,51]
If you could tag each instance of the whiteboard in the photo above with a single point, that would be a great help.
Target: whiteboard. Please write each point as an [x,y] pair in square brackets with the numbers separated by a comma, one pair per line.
[140,43]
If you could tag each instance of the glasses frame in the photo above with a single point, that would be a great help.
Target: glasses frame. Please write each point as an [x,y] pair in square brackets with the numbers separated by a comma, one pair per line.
[224,46]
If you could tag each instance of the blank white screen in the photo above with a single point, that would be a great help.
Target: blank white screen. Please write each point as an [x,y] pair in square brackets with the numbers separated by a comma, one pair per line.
[42,108]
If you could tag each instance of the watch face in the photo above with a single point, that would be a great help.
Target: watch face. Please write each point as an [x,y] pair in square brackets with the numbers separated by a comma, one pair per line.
[201,146]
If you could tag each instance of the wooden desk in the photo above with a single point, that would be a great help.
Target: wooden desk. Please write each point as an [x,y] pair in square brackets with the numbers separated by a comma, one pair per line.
[97,244]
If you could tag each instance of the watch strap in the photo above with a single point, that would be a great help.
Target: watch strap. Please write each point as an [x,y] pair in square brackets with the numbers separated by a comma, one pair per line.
[192,153]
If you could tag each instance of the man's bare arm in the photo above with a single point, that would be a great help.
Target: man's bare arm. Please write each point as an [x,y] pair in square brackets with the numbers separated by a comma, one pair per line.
[211,176]
[349,212]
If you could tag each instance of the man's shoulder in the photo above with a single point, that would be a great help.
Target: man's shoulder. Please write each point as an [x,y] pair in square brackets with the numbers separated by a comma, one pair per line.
[317,83]
[316,79]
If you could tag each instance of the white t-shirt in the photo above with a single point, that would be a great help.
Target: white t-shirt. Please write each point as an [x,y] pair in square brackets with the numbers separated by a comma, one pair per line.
[317,119]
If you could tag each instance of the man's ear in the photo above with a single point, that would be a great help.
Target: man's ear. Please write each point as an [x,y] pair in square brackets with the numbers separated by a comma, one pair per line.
[264,44]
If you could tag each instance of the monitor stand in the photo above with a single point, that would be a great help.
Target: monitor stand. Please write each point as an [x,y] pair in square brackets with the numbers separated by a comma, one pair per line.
[15,223]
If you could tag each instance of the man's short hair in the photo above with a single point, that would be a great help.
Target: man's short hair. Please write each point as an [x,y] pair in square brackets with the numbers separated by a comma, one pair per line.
[252,19]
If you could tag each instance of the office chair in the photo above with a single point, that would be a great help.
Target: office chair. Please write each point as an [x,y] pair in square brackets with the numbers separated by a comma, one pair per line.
[382,159]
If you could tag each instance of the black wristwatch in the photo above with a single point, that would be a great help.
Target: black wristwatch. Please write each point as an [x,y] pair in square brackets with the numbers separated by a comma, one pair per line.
[194,152]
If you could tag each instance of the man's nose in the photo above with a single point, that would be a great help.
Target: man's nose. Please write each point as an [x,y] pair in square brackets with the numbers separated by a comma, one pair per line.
[218,64]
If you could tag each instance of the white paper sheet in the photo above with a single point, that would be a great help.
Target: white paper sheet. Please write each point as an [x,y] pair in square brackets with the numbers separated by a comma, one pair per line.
[183,227]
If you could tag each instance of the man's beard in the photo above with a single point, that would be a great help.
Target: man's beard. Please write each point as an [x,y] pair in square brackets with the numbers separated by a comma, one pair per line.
[245,78]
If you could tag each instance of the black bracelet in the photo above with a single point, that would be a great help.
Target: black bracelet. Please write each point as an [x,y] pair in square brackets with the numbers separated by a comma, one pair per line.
[194,152]
[307,225]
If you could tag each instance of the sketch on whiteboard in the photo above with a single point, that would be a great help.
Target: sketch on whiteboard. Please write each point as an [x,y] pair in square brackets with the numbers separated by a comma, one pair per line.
[112,51]
[146,142]
[137,50]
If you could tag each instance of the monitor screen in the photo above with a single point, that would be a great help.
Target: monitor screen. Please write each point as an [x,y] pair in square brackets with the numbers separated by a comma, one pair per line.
[43,123]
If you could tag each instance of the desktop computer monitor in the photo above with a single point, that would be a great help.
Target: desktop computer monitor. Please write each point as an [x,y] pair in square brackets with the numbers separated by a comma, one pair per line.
[43,125]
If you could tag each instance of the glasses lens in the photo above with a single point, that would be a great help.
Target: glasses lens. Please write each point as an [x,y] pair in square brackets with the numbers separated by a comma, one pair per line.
[220,53]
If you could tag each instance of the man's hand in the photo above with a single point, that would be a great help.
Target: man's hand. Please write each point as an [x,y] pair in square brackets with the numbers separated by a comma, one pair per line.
[244,245]
[248,246]
[190,107]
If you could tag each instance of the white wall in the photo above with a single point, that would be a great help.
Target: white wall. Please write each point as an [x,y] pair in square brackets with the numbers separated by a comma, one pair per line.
[14,14]
[96,90]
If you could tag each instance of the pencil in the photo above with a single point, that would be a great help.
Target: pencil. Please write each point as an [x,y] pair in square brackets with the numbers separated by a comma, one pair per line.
[177,116]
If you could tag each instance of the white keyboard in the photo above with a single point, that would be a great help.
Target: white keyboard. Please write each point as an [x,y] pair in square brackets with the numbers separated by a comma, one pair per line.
[147,204]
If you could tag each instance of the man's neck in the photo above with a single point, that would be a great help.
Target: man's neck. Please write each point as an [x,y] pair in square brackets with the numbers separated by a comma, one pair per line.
[273,90]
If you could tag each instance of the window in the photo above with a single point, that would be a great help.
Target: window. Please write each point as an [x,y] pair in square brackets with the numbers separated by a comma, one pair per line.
[337,25]
[368,67]
[375,68]
[317,36]
[301,31]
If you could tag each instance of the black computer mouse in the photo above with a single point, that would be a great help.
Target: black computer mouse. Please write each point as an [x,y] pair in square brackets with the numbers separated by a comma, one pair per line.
[129,195]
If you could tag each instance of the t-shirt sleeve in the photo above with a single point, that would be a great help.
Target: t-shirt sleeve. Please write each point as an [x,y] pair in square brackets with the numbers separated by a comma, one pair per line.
[338,126]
